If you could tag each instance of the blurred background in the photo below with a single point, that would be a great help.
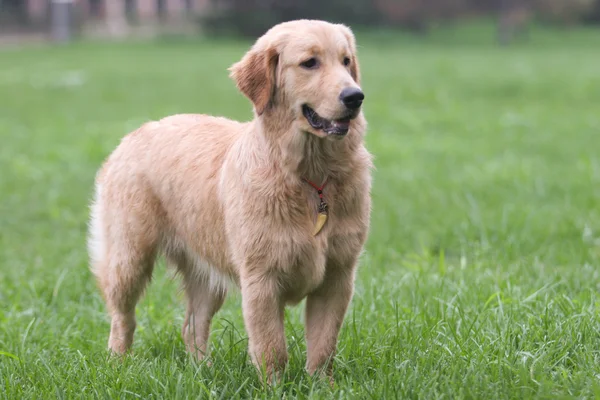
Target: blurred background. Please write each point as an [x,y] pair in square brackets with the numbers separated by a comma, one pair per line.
[481,276]
[62,20]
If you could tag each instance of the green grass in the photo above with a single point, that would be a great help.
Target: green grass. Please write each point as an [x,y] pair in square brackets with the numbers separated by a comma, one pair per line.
[481,275]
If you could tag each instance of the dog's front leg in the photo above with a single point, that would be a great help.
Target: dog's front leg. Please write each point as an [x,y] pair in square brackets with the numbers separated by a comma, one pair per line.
[325,310]
[263,312]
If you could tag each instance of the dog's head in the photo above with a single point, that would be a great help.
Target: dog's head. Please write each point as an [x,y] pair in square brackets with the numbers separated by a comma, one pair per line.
[307,68]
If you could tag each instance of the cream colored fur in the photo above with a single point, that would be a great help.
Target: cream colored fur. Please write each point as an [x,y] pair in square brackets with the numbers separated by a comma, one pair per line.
[224,200]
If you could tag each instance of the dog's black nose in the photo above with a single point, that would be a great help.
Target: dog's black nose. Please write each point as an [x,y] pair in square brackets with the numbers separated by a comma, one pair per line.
[352,97]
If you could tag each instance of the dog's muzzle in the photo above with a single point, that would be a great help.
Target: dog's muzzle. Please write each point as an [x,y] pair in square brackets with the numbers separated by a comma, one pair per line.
[338,127]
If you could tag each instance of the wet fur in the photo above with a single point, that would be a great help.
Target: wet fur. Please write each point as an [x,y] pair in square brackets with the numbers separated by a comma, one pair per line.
[225,201]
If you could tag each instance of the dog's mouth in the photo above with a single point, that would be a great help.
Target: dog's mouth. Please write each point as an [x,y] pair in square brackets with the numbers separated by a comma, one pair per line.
[338,127]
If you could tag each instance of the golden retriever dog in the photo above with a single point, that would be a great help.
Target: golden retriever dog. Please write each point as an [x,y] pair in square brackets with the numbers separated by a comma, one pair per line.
[279,205]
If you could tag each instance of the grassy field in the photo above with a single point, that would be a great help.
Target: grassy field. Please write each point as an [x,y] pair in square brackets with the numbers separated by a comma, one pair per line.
[481,274]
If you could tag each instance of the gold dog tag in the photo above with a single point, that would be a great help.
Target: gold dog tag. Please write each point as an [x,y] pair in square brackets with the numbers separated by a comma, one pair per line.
[322,212]
[321,218]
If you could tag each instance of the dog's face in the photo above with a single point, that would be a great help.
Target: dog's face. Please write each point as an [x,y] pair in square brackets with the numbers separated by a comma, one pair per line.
[310,69]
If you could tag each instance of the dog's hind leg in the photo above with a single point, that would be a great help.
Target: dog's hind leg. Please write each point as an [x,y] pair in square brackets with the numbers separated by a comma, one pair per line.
[122,249]
[123,283]
[205,294]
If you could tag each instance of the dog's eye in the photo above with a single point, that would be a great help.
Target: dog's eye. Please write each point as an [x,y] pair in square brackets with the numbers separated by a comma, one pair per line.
[346,61]
[311,63]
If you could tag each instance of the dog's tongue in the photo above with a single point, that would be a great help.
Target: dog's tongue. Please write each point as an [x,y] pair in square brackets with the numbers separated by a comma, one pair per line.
[340,124]
[337,127]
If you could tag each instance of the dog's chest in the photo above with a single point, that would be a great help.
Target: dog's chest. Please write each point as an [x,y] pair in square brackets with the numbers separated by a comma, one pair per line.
[305,273]
[336,243]
[271,231]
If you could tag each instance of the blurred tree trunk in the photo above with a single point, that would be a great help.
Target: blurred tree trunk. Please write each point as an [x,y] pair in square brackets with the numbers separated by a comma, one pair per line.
[61,20]
[513,20]
[131,12]
[116,20]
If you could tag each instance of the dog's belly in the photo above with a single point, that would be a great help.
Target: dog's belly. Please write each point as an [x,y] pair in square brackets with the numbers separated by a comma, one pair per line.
[300,269]
[199,268]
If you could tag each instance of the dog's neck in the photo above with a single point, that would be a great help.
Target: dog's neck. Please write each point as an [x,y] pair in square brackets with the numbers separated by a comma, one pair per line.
[304,155]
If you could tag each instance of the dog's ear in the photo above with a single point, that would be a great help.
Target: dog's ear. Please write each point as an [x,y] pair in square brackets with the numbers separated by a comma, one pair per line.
[254,76]
[354,67]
